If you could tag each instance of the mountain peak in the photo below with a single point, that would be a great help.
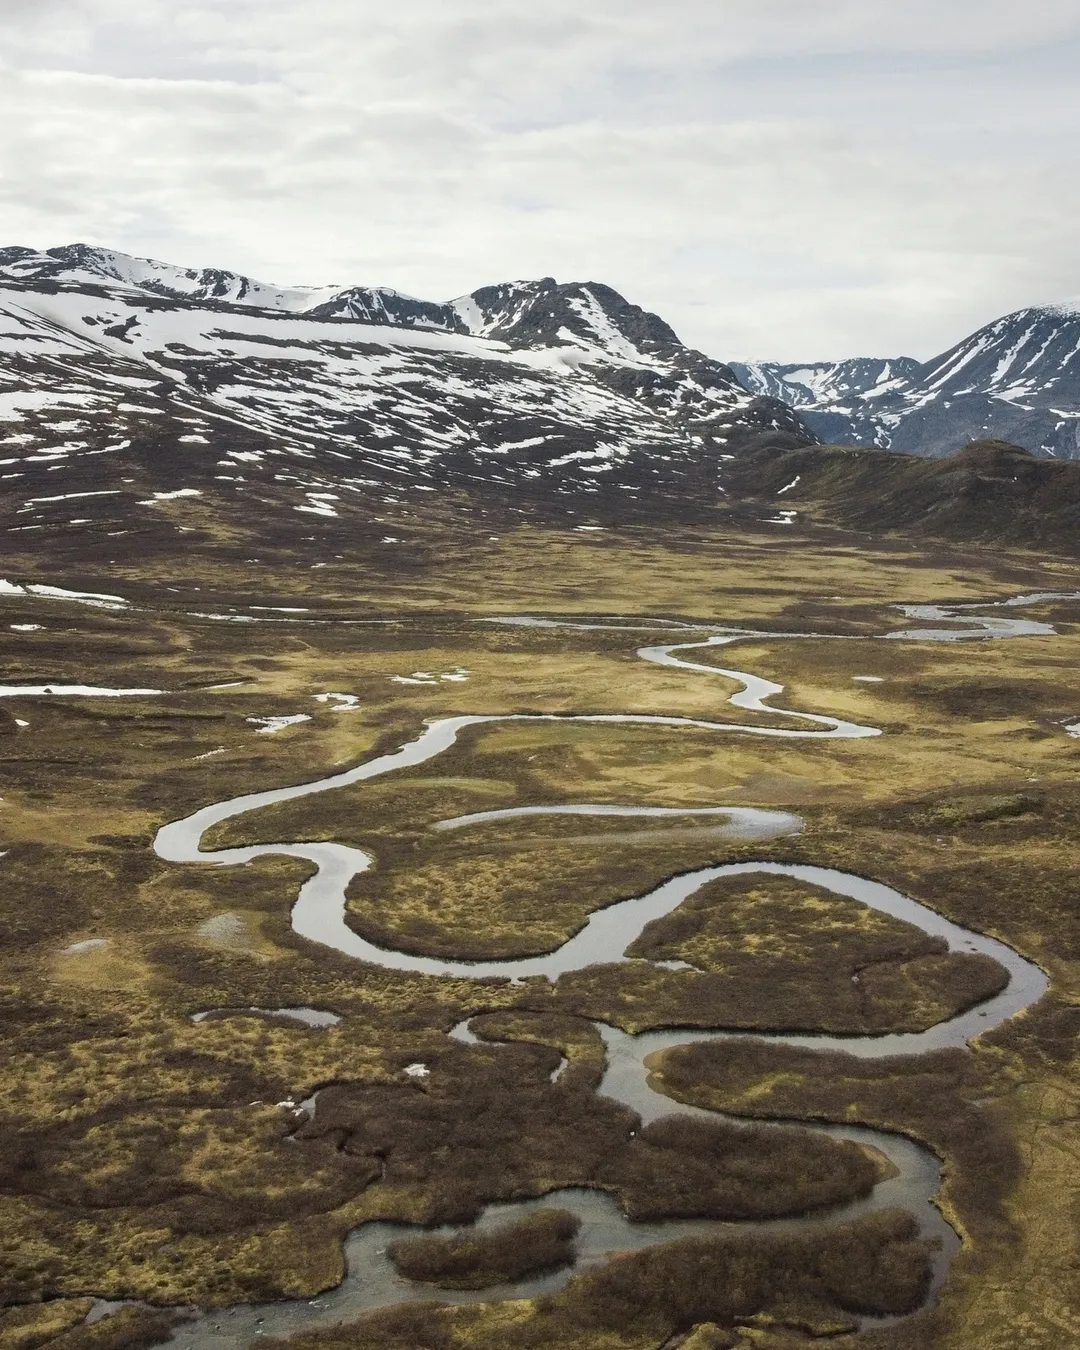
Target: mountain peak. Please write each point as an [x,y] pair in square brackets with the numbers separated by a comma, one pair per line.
[583,314]
[1065,309]
[535,313]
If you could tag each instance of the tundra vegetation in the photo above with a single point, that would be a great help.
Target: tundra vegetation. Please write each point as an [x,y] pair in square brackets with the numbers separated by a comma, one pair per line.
[542,1241]
[147,1157]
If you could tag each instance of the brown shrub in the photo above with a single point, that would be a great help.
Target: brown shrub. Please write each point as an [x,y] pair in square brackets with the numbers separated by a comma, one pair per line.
[541,1241]
[814,1280]
[682,1167]
[925,1096]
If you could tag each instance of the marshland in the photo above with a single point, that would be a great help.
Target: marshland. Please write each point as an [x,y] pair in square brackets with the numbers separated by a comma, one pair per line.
[171,1167]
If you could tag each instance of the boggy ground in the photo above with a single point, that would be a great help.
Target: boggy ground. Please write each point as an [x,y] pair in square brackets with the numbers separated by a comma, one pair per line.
[542,1241]
[149,1157]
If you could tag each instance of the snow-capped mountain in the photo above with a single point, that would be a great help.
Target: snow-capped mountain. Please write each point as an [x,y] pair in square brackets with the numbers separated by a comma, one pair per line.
[126,382]
[1016,380]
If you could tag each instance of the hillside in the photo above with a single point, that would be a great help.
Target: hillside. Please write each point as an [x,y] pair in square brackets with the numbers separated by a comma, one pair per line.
[839,399]
[989,492]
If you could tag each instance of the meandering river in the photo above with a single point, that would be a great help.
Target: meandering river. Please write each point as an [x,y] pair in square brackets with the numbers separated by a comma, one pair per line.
[319,915]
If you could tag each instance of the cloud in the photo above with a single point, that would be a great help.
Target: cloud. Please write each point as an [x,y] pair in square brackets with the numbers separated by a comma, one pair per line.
[796,179]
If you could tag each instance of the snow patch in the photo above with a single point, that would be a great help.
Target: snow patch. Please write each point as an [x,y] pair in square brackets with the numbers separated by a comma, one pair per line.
[71,690]
[171,496]
[341,702]
[428,677]
[93,598]
[269,725]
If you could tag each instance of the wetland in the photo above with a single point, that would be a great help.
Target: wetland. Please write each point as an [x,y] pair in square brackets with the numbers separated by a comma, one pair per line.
[725,983]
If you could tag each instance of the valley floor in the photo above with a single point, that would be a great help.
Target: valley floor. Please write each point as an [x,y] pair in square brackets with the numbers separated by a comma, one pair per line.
[159,1161]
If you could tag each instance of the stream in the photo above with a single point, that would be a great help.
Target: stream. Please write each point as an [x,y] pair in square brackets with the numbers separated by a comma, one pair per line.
[319,915]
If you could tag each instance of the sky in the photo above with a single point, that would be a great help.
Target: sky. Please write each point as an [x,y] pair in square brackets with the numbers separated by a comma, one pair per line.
[785,179]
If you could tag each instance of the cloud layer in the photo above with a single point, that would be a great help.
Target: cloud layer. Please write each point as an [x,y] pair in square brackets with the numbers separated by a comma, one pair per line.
[793,178]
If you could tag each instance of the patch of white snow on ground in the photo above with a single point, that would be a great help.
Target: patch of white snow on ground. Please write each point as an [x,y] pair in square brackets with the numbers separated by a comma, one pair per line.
[269,725]
[427,677]
[66,690]
[97,599]
[210,753]
[89,945]
[25,627]
[1073,729]
[80,597]
[71,496]
[170,496]
[789,486]
[868,679]
[418,1070]
[341,702]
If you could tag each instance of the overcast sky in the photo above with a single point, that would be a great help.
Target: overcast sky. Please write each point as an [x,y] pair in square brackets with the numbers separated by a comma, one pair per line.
[792,179]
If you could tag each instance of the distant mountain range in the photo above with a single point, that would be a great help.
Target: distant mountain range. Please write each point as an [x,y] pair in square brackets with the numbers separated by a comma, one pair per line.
[1017,379]
[160,408]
